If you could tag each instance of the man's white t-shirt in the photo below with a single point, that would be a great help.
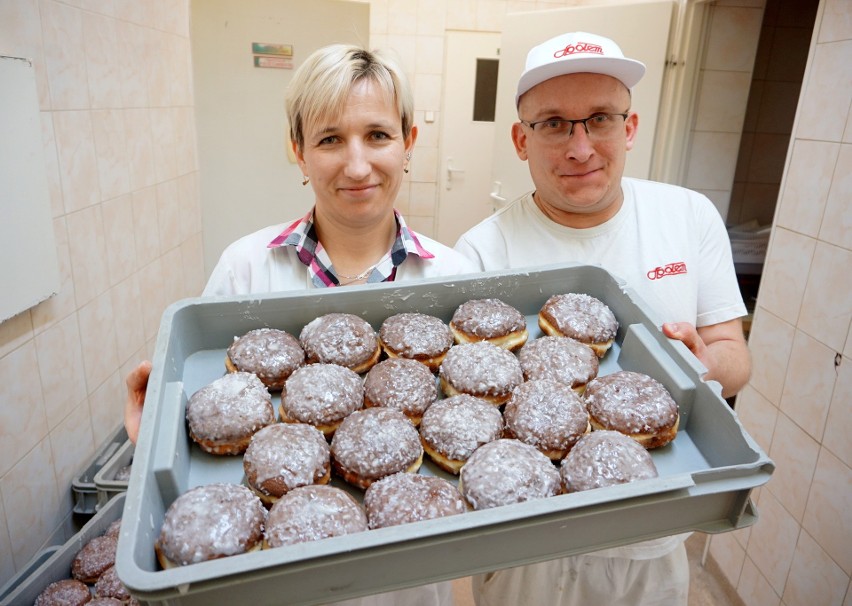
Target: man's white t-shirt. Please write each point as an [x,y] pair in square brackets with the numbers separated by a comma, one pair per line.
[666,242]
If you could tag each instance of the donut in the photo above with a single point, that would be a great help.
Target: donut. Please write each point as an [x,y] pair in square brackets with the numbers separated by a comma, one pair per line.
[605,458]
[284,456]
[67,592]
[416,336]
[269,353]
[507,471]
[402,498]
[634,404]
[562,359]
[548,415]
[224,415]
[454,427]
[490,320]
[343,339]
[94,558]
[311,513]
[209,522]
[114,529]
[400,383]
[373,443]
[481,369]
[321,395]
[110,586]
[581,317]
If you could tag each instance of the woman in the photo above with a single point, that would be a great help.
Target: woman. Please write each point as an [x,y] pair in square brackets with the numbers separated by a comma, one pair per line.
[351,127]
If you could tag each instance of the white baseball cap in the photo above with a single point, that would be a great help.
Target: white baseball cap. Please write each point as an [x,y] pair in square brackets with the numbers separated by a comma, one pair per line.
[578,52]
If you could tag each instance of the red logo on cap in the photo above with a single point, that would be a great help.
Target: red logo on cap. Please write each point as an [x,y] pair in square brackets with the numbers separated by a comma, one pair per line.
[580,47]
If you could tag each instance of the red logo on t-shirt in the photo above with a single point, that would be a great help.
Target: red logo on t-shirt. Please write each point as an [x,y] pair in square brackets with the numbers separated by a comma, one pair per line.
[672,269]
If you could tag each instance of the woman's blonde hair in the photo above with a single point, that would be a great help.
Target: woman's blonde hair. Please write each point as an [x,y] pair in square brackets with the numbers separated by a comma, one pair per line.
[321,85]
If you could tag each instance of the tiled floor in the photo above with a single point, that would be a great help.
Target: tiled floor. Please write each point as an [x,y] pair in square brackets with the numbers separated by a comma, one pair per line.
[707,586]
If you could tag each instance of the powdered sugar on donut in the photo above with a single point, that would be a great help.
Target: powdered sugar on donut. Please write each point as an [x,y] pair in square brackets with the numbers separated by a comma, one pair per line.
[211,521]
[400,383]
[481,369]
[630,402]
[320,394]
[405,497]
[311,513]
[269,353]
[488,318]
[375,442]
[339,338]
[413,335]
[605,458]
[507,471]
[294,454]
[581,317]
[559,358]
[232,407]
[546,414]
[456,426]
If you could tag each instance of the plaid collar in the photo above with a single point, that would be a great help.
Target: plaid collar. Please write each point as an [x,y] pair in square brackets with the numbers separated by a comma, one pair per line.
[302,236]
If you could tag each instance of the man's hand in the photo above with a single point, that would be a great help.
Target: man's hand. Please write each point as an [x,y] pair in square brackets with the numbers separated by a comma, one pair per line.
[720,347]
[137,383]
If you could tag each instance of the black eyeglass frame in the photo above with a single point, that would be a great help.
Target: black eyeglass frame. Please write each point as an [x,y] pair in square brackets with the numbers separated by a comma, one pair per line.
[582,121]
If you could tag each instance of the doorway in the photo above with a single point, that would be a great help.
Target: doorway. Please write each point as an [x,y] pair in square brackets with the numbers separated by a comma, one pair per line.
[467,132]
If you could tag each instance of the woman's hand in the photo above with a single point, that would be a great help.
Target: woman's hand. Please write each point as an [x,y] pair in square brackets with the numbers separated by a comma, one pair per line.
[137,383]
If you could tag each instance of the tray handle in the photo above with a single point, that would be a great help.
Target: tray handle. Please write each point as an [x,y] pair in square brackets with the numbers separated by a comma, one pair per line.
[170,455]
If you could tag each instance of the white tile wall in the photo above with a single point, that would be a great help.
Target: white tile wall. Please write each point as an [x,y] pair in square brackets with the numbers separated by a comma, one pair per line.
[115,92]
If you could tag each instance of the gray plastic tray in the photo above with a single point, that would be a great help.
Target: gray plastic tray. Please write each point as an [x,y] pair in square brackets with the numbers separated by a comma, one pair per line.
[83,485]
[24,573]
[58,565]
[105,483]
[706,474]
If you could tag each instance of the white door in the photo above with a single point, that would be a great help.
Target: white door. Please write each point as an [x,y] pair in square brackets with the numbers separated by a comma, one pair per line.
[642,32]
[466,139]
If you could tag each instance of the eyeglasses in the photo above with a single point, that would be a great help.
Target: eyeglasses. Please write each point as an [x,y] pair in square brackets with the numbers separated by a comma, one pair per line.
[597,126]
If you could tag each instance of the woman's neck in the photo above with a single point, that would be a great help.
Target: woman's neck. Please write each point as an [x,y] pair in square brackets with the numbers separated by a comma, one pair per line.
[354,249]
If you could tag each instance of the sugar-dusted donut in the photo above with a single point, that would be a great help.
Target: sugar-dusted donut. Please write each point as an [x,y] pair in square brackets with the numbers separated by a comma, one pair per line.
[321,395]
[96,556]
[400,383]
[490,320]
[224,415]
[343,339]
[548,415]
[407,497]
[67,592]
[416,336]
[507,471]
[481,369]
[284,456]
[562,359]
[269,353]
[454,427]
[605,458]
[373,443]
[209,522]
[634,404]
[581,317]
[311,513]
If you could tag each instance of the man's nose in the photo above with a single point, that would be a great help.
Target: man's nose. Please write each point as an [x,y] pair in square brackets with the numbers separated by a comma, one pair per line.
[578,145]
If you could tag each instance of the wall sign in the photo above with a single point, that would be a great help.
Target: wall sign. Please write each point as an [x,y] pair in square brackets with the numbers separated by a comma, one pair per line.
[278,56]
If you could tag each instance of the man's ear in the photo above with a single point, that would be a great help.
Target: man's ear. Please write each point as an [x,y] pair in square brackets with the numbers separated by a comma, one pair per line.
[519,138]
[631,125]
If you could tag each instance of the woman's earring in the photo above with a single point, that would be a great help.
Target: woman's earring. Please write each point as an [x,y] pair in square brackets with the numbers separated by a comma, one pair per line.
[305,179]
[407,160]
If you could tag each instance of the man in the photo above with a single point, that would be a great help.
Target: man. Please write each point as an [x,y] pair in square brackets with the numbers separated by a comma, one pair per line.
[670,244]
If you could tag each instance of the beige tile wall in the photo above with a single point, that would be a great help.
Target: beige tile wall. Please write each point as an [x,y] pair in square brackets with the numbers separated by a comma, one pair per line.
[797,403]
[116,100]
[723,92]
